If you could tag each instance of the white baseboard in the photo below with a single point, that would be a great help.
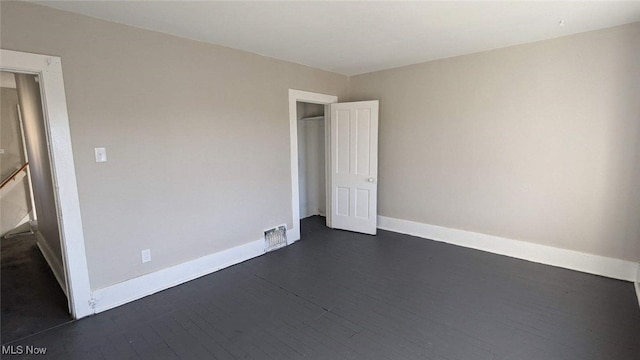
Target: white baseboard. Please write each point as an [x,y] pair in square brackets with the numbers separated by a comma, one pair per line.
[52,260]
[25,219]
[569,259]
[136,288]
[293,235]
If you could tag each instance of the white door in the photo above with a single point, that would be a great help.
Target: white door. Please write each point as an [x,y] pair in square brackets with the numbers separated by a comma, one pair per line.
[354,166]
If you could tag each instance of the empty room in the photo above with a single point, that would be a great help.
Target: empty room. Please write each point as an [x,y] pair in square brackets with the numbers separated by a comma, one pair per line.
[320,180]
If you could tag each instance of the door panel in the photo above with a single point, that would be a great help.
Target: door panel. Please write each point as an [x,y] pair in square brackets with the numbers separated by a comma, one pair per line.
[363,200]
[342,201]
[342,142]
[354,174]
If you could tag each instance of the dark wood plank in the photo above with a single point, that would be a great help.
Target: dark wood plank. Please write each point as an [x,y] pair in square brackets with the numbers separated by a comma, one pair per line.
[32,301]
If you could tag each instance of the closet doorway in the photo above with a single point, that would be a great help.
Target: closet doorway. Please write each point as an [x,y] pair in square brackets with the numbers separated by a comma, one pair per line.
[311,159]
[350,150]
[309,109]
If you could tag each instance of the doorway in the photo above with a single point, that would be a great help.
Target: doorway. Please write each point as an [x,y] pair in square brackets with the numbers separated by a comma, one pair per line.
[31,258]
[72,271]
[310,109]
[311,160]
[350,161]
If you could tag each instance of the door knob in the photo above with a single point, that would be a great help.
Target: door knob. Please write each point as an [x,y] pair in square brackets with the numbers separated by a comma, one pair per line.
[370,179]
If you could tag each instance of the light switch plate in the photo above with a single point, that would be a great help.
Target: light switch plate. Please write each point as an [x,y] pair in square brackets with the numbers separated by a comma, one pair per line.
[101,154]
[145,255]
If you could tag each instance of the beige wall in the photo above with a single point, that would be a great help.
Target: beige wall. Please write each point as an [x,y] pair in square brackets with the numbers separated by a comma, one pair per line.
[10,139]
[538,142]
[196,137]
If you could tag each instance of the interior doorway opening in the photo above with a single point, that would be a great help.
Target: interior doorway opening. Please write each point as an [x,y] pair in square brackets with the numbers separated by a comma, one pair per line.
[73,271]
[34,286]
[311,102]
[312,182]
[351,162]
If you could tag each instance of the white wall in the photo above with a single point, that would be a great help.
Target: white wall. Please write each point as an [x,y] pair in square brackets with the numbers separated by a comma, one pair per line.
[196,137]
[537,142]
[311,160]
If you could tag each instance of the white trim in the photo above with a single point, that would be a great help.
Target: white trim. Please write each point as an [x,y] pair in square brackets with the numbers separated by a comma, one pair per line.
[327,165]
[290,234]
[136,288]
[52,260]
[26,219]
[294,97]
[637,284]
[49,71]
[569,259]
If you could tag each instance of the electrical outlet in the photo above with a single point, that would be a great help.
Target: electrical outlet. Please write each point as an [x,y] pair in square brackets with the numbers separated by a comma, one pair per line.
[145,255]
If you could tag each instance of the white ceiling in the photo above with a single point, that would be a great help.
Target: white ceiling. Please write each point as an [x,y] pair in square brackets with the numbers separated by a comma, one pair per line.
[357,37]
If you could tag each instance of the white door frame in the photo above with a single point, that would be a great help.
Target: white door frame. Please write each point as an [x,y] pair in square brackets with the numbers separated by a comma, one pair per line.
[314,98]
[56,119]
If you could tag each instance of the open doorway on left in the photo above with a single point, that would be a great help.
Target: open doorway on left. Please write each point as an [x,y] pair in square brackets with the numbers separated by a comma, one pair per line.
[32,273]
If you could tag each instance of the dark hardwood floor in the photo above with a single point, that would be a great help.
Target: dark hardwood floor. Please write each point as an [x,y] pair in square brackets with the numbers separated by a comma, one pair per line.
[340,295]
[31,298]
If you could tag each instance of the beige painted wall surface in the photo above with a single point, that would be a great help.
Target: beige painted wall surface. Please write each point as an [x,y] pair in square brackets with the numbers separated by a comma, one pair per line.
[537,142]
[196,137]
[14,205]
[10,139]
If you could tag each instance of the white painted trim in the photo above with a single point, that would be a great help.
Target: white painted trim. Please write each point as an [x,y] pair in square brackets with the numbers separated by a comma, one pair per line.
[52,260]
[136,288]
[294,97]
[569,259]
[637,284]
[26,219]
[327,166]
[290,234]
[49,71]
